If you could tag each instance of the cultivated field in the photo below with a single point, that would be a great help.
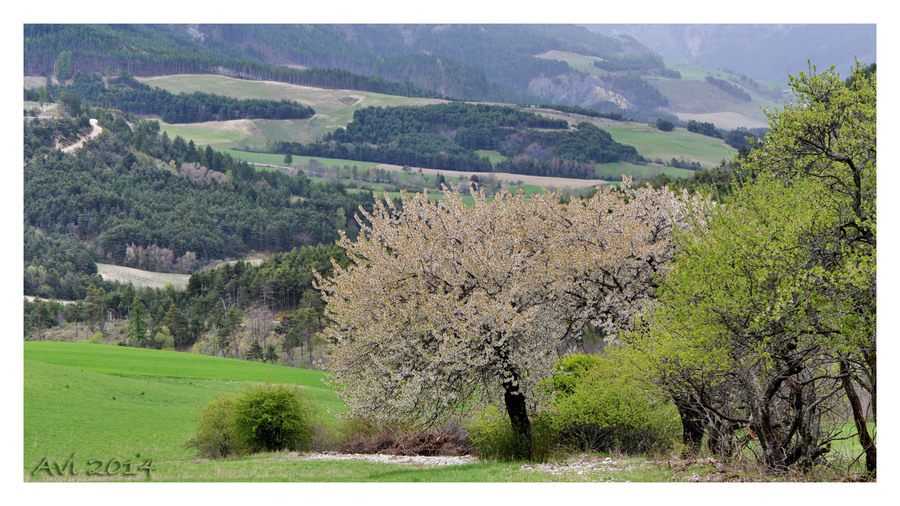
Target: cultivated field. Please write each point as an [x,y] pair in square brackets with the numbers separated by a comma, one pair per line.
[140,278]
[334,108]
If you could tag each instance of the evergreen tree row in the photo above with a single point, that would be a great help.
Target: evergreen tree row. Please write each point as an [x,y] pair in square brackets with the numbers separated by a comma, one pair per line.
[127,94]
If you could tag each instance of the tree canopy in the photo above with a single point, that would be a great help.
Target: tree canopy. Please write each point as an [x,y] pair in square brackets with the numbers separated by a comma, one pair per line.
[767,320]
[445,307]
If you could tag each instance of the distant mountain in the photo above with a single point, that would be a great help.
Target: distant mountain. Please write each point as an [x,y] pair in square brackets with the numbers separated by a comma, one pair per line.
[765,52]
[496,62]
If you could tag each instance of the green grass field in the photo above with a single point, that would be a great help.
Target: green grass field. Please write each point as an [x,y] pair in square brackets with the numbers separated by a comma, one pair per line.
[101,405]
[103,402]
[651,144]
[118,405]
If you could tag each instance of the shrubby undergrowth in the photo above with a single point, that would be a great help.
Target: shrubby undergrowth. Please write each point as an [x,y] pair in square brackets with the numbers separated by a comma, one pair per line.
[597,407]
[263,418]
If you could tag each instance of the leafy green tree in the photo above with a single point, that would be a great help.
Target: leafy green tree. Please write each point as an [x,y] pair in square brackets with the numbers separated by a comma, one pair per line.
[71,103]
[828,136]
[664,125]
[769,313]
[64,66]
[42,96]
[164,338]
[288,159]
[270,355]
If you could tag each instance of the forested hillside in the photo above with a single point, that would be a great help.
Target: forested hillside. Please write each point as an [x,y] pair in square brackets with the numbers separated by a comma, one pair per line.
[133,187]
[473,62]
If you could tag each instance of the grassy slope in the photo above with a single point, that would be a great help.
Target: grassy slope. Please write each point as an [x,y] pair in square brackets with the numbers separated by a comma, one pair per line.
[103,402]
[141,278]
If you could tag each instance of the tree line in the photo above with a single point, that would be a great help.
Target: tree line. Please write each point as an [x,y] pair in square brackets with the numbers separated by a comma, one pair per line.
[126,93]
[447,136]
[145,50]
[215,303]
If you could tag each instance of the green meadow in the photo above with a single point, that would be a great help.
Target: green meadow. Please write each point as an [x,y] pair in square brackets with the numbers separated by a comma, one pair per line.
[110,408]
[103,402]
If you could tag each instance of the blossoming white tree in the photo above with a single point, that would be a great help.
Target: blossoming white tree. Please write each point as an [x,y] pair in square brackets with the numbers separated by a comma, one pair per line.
[445,307]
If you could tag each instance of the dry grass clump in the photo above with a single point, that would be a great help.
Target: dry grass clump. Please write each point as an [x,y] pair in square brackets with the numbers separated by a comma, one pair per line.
[452,440]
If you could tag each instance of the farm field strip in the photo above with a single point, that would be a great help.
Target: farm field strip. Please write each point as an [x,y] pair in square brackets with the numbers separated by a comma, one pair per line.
[141,278]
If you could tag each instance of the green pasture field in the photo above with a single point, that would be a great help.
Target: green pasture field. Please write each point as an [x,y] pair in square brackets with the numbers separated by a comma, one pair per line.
[116,405]
[615,170]
[576,61]
[651,144]
[103,401]
[492,155]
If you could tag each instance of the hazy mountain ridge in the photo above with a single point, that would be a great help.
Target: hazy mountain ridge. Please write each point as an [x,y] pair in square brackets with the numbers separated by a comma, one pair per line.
[761,51]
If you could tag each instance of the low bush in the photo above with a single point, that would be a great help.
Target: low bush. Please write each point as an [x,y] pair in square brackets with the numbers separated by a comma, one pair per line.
[597,407]
[215,437]
[262,418]
[274,417]
[492,438]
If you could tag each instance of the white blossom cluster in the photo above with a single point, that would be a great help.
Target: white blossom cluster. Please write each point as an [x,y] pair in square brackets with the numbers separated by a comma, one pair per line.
[444,307]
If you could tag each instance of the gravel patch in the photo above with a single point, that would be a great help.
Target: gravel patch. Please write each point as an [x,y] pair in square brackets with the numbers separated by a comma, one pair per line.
[582,465]
[394,459]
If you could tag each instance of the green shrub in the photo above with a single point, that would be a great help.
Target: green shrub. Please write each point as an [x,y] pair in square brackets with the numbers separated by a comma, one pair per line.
[598,407]
[96,338]
[274,417]
[664,125]
[215,437]
[492,438]
[262,418]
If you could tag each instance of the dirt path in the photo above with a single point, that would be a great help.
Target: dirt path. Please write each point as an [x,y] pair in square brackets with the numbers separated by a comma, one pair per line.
[95,131]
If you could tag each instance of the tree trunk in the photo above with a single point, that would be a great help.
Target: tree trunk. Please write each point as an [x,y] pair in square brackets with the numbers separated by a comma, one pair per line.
[859,418]
[518,417]
[691,426]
